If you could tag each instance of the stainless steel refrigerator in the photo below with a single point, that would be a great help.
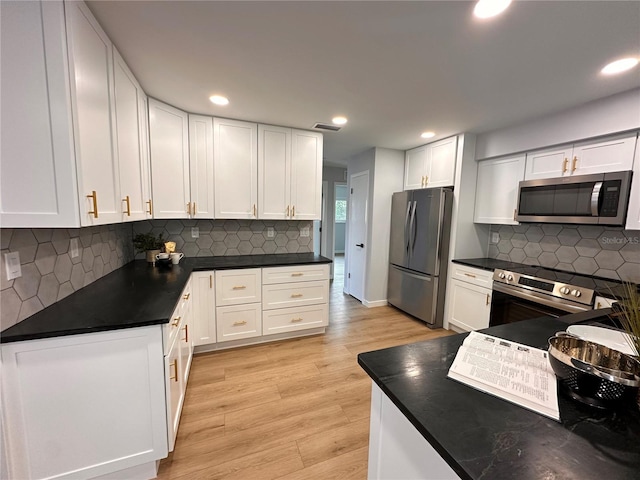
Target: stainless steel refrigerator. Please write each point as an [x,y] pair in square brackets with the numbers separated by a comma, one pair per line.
[419,251]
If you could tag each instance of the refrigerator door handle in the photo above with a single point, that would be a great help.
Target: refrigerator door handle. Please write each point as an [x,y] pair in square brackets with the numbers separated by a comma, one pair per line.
[412,229]
[406,224]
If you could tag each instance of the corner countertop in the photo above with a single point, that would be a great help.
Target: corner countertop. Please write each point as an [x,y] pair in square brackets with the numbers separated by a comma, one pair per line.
[135,295]
[482,436]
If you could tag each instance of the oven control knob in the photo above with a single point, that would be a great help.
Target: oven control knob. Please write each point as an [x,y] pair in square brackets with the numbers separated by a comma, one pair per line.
[501,275]
[576,293]
[565,291]
[509,277]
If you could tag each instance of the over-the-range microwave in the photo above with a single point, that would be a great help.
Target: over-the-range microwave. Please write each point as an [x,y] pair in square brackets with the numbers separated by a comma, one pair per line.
[601,199]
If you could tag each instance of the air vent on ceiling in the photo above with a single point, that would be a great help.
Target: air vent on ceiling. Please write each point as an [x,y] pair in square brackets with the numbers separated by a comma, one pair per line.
[326,126]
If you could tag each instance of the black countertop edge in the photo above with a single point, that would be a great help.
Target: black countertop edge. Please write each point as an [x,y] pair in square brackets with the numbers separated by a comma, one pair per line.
[386,370]
[135,295]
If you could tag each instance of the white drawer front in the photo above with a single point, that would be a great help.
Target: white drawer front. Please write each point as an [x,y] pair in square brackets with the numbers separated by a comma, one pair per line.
[284,295]
[235,287]
[292,319]
[298,273]
[170,330]
[477,276]
[238,321]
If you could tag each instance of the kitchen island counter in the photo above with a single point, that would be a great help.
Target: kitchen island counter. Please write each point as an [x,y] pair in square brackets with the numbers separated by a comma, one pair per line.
[135,295]
[482,436]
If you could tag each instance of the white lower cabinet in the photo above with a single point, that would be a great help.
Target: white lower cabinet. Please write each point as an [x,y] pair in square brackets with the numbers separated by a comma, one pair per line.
[293,319]
[237,322]
[203,308]
[83,406]
[469,298]
[603,302]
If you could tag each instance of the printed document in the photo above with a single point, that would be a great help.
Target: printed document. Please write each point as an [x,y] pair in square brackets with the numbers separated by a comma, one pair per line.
[517,373]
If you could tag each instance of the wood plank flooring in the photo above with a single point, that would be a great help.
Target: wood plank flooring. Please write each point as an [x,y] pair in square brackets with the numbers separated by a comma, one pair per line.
[294,409]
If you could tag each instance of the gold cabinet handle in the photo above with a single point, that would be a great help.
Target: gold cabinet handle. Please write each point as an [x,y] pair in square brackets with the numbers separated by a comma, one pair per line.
[186,333]
[295,320]
[176,321]
[426,180]
[210,281]
[150,207]
[254,210]
[174,364]
[186,297]
[488,299]
[297,274]
[239,287]
[238,324]
[515,212]
[470,275]
[193,208]
[422,181]
[128,210]
[565,164]
[287,214]
[189,208]
[574,164]
[293,211]
[94,197]
[598,305]
[296,295]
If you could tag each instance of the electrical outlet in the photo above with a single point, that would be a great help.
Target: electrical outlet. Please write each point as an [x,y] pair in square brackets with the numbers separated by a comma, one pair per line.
[304,232]
[495,237]
[195,232]
[270,232]
[12,265]
[74,248]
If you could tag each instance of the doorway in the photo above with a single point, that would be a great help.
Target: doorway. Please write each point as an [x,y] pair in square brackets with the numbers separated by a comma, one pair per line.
[356,247]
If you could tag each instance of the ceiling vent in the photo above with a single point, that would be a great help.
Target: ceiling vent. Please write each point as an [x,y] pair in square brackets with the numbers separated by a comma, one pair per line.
[326,126]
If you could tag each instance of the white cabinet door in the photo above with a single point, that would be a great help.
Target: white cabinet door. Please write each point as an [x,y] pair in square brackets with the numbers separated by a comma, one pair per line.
[497,190]
[274,172]
[186,334]
[235,165]
[602,302]
[174,391]
[610,155]
[38,185]
[129,141]
[143,101]
[204,308]
[441,164]
[104,409]
[169,142]
[415,164]
[633,213]
[306,175]
[470,305]
[92,94]
[201,165]
[549,163]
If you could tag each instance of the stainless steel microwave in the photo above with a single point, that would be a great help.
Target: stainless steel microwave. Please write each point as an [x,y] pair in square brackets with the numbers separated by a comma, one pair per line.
[600,199]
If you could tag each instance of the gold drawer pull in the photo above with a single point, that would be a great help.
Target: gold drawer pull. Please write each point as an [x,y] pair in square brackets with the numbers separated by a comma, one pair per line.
[254,210]
[186,297]
[239,287]
[470,275]
[176,321]
[94,198]
[297,274]
[295,320]
[174,364]
[238,324]
[296,295]
[128,202]
[186,333]
[488,299]
[150,209]
[210,281]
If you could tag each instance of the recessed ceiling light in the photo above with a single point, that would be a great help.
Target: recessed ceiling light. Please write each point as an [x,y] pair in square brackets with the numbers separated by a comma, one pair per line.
[620,66]
[339,120]
[428,134]
[490,8]
[219,100]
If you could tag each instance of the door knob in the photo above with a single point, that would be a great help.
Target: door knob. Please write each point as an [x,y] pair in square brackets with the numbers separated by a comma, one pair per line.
[361,245]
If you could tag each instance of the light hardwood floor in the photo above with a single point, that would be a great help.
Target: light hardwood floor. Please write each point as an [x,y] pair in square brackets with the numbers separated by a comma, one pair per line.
[294,409]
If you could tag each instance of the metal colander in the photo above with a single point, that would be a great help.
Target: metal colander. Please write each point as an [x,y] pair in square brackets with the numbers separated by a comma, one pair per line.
[594,374]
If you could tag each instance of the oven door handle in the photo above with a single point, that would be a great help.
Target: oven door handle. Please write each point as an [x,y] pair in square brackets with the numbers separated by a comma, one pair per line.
[539,298]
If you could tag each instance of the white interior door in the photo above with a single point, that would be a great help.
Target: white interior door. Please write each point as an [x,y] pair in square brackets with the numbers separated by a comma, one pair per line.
[357,239]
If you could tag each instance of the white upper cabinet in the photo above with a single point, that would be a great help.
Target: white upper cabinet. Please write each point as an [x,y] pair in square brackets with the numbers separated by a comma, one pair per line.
[497,190]
[131,143]
[609,155]
[37,169]
[431,165]
[306,175]
[169,138]
[274,172]
[201,166]
[92,96]
[633,213]
[235,165]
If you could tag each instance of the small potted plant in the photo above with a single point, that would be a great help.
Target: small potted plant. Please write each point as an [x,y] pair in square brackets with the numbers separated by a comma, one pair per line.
[149,243]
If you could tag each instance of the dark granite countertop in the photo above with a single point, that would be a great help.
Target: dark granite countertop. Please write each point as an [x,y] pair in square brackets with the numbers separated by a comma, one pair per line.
[482,436]
[135,295]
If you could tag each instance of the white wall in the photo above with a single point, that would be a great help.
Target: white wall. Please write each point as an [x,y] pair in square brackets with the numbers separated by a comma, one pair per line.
[617,113]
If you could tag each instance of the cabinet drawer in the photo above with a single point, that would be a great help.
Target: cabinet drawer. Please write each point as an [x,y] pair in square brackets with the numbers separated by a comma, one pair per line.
[477,276]
[170,330]
[299,273]
[297,318]
[238,321]
[283,295]
[234,287]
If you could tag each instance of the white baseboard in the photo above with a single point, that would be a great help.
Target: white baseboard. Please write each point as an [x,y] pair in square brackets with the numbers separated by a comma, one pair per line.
[375,303]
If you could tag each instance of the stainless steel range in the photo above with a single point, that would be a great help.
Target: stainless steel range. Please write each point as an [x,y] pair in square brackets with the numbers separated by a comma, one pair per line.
[532,292]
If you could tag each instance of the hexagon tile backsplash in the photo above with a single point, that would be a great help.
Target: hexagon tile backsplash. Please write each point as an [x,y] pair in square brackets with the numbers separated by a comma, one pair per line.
[608,252]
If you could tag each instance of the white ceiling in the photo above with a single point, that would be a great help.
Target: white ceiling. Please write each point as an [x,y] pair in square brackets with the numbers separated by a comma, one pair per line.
[393,68]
